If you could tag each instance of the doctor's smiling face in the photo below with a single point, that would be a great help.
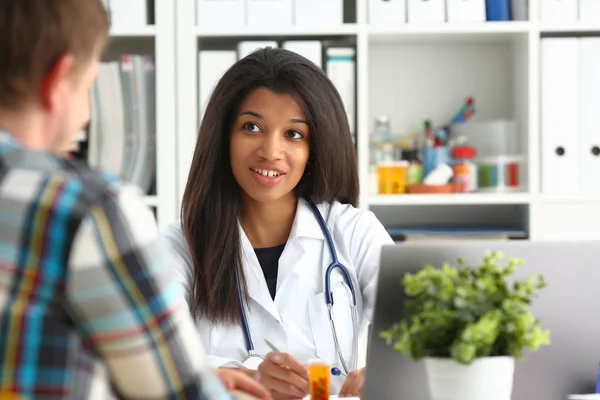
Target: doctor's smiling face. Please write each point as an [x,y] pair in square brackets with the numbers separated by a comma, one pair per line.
[269,146]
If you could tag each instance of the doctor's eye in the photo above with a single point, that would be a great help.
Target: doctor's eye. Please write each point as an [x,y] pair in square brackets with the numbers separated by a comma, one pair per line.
[294,135]
[251,126]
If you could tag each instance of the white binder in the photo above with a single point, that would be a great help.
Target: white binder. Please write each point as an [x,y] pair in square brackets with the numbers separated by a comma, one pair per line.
[128,14]
[330,13]
[589,11]
[270,13]
[426,11]
[310,49]
[340,67]
[559,122]
[466,10]
[249,46]
[558,10]
[212,64]
[220,13]
[387,12]
[589,115]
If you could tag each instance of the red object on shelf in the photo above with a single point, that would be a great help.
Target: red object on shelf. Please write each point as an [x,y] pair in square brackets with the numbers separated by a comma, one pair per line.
[464,152]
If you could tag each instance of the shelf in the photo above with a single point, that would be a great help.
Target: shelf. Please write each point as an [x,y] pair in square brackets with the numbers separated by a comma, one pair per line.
[449,199]
[568,199]
[479,31]
[250,32]
[144,32]
[550,28]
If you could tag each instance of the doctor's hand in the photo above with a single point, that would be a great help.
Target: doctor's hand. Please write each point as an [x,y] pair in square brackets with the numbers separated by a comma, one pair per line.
[284,376]
[235,380]
[354,384]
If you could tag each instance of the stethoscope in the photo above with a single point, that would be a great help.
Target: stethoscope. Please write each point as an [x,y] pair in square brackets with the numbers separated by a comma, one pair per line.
[253,359]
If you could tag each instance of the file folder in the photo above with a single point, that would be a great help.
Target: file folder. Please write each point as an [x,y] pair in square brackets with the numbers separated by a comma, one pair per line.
[310,49]
[560,116]
[589,11]
[330,13]
[270,13]
[558,10]
[589,115]
[497,10]
[426,11]
[387,12]
[341,70]
[212,64]
[128,14]
[249,46]
[466,10]
[220,13]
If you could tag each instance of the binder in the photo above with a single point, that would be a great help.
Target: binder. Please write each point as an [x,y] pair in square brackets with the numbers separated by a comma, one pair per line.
[212,64]
[466,10]
[270,13]
[340,67]
[589,11]
[560,116]
[249,46]
[127,14]
[589,115]
[387,12]
[310,49]
[220,13]
[331,12]
[426,11]
[519,10]
[497,10]
[558,10]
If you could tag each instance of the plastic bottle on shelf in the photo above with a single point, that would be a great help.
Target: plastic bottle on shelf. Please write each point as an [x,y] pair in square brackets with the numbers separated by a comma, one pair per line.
[385,169]
[465,170]
[414,168]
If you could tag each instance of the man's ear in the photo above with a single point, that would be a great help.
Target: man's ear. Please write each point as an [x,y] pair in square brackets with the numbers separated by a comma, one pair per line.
[54,79]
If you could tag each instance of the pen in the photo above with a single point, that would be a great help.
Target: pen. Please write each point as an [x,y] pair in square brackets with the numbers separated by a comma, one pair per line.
[271,346]
[334,370]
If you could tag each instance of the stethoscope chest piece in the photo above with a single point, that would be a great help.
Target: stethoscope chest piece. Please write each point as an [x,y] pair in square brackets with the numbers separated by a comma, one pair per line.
[252,361]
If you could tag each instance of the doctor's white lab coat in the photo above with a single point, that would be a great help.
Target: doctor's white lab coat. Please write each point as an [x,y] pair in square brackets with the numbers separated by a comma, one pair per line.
[297,321]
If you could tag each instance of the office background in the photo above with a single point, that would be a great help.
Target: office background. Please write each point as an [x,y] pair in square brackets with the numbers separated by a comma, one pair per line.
[530,68]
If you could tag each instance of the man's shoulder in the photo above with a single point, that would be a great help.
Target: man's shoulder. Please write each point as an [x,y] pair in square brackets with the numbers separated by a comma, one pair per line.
[69,184]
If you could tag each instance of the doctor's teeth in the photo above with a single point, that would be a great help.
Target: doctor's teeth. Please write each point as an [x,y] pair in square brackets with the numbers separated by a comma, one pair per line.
[265,172]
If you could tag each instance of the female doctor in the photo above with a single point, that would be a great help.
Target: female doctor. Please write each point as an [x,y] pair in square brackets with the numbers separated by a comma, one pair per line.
[269,206]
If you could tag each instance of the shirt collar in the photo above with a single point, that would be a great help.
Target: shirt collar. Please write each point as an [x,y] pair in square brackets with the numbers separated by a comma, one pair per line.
[306,223]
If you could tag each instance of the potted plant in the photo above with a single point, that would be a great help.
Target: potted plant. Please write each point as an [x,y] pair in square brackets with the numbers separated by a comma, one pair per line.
[469,325]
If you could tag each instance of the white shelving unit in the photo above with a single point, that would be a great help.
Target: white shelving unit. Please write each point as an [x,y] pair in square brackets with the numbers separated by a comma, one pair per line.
[414,72]
[157,39]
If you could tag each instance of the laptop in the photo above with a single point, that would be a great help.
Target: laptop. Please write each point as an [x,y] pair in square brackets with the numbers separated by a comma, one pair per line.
[569,307]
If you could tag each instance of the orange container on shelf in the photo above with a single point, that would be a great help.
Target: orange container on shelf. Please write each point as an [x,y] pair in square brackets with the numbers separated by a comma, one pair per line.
[421,188]
[399,177]
[385,176]
[319,379]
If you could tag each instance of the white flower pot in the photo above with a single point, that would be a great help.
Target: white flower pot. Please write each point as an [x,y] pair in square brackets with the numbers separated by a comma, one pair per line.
[489,378]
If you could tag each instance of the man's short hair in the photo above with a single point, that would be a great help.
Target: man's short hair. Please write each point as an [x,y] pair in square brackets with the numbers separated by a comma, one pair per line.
[34,34]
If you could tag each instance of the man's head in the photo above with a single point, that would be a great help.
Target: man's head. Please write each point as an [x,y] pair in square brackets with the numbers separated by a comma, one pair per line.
[49,54]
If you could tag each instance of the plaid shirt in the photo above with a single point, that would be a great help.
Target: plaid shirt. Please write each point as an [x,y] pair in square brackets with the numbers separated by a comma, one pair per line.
[86,304]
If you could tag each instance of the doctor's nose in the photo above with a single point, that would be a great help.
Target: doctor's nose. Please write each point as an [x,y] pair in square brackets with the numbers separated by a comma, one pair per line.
[272,147]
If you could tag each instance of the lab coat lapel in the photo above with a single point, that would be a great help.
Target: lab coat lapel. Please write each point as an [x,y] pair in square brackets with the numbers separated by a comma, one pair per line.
[305,227]
[257,286]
